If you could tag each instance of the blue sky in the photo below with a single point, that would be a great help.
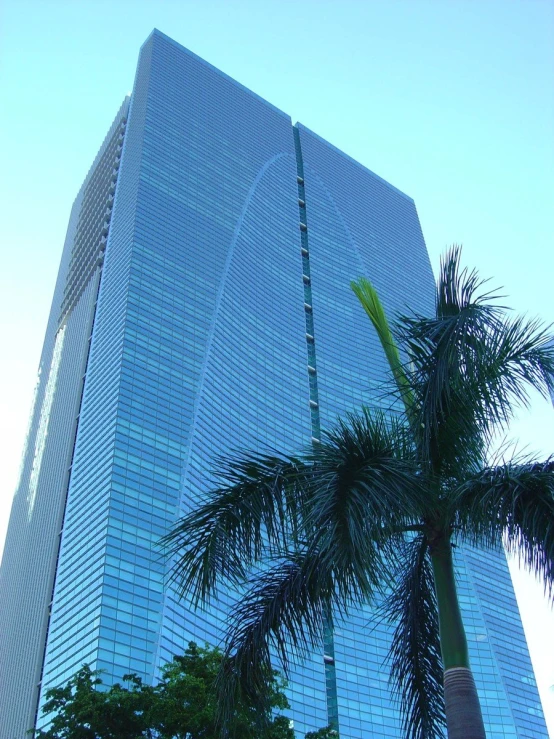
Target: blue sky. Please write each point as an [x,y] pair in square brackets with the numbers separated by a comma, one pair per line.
[449,100]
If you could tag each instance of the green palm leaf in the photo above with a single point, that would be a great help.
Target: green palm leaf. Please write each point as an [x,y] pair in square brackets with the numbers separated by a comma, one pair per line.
[469,365]
[367,295]
[415,655]
[365,486]
[513,503]
[282,610]
[258,506]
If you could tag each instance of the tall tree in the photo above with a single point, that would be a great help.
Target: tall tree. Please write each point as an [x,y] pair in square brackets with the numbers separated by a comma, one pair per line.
[378,505]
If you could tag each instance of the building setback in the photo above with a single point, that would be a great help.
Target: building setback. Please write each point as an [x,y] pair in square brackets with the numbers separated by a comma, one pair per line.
[203,306]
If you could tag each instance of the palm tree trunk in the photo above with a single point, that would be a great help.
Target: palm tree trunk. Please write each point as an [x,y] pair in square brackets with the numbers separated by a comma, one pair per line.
[463,711]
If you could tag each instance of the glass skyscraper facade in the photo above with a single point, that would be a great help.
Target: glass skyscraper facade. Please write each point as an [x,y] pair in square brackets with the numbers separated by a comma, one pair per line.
[203,306]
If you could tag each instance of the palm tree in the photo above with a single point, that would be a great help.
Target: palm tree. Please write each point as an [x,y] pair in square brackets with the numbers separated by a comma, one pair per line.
[376,507]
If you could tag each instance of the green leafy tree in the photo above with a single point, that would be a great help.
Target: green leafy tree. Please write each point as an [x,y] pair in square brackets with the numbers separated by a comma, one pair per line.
[326,733]
[82,710]
[381,501]
[182,706]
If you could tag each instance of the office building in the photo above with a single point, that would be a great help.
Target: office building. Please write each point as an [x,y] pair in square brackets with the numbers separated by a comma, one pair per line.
[203,305]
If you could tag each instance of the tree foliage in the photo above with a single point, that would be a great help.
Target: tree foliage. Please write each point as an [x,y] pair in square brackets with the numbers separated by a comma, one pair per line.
[326,733]
[183,705]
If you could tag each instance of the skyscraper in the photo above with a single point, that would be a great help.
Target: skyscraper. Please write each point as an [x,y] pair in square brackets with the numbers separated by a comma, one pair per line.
[202,306]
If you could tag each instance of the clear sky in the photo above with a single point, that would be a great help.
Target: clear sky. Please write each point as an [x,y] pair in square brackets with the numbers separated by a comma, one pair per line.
[449,100]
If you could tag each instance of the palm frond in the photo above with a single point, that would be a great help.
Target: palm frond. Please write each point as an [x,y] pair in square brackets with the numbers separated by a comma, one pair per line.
[457,288]
[369,299]
[520,356]
[415,656]
[360,481]
[283,610]
[365,484]
[258,507]
[515,503]
[469,364]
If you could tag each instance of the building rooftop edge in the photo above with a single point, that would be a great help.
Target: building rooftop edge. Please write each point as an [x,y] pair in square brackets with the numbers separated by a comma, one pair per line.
[156,32]
[354,161]
[161,34]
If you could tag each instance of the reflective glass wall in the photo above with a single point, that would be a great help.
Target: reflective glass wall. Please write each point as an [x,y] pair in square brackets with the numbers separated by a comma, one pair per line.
[225,321]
